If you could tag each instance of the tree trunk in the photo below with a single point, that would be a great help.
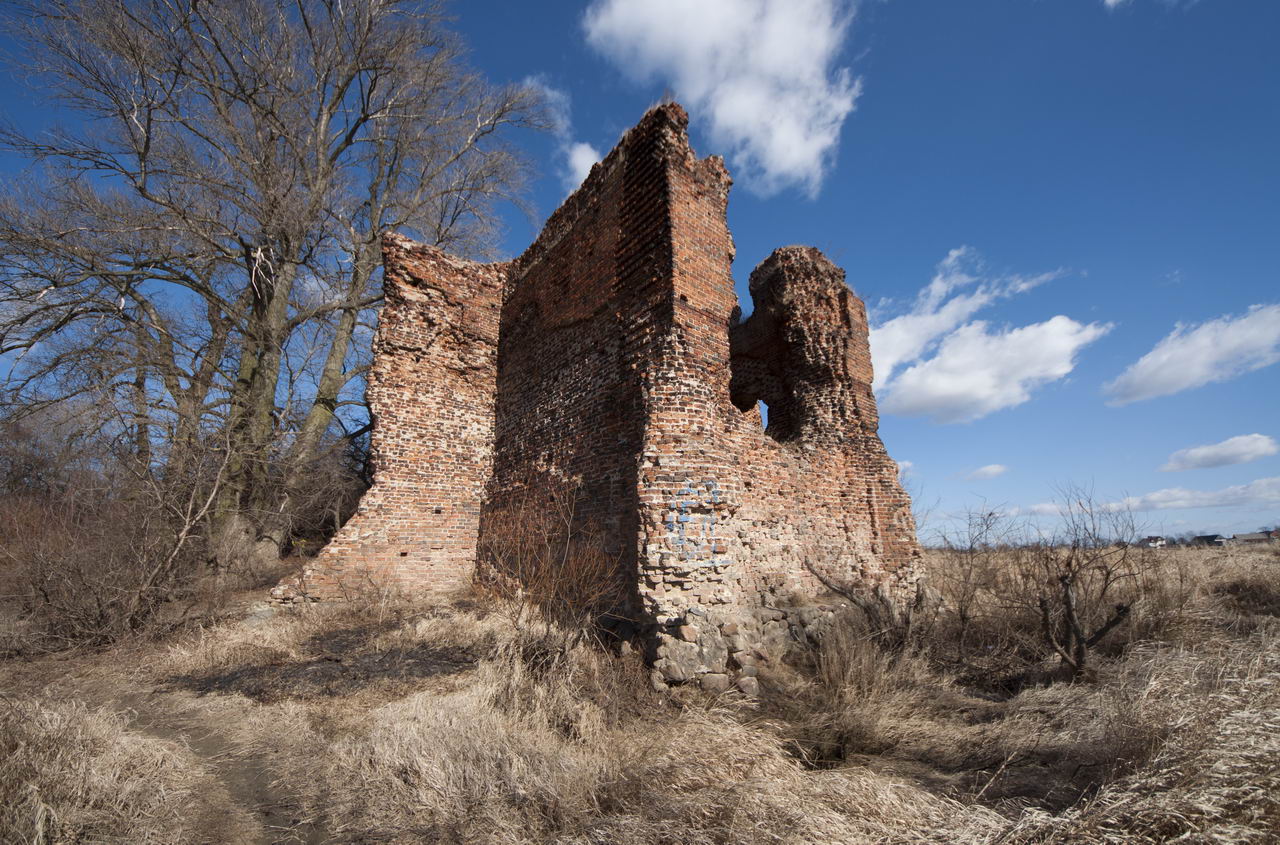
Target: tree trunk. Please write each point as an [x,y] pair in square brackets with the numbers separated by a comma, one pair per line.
[333,377]
[246,525]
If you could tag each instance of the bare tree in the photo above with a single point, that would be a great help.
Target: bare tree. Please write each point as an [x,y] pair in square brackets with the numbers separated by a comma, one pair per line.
[1080,572]
[971,580]
[201,250]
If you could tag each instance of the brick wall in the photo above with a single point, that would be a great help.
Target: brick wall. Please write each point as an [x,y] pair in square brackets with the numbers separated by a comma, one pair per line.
[569,414]
[431,391]
[611,360]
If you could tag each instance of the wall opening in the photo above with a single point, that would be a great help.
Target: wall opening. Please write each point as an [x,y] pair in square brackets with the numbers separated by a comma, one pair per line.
[756,380]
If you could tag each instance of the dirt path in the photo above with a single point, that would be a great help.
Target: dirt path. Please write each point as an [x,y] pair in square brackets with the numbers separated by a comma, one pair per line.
[239,805]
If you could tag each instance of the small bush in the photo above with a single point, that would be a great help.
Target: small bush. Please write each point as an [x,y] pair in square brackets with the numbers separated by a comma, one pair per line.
[1003,606]
[543,564]
[89,573]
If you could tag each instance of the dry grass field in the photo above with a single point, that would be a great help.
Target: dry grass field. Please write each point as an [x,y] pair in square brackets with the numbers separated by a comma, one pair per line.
[386,721]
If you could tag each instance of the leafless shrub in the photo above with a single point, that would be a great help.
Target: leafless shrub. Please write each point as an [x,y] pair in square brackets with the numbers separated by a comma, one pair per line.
[96,554]
[96,545]
[975,574]
[543,565]
[90,575]
[1011,596]
[1080,576]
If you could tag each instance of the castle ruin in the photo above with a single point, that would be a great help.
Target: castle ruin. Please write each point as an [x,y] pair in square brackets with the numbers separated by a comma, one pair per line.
[612,353]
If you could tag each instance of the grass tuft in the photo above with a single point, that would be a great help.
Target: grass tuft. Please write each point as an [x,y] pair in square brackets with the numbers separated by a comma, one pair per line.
[72,774]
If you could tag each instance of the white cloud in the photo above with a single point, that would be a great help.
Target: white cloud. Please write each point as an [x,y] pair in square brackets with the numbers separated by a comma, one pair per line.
[941,307]
[1263,492]
[578,156]
[582,156]
[761,73]
[988,471]
[1173,4]
[934,361]
[904,468]
[1045,509]
[1193,356]
[977,372]
[1234,450]
[557,103]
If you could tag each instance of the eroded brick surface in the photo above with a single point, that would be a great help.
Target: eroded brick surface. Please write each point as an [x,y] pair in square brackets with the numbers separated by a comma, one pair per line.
[431,390]
[611,358]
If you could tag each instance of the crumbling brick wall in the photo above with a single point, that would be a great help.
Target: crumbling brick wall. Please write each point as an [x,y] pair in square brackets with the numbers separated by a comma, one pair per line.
[431,391]
[612,356]
[569,413]
[737,522]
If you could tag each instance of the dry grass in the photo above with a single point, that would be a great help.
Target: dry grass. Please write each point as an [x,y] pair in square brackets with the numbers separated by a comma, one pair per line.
[989,629]
[1047,746]
[1216,779]
[389,721]
[71,774]
[519,756]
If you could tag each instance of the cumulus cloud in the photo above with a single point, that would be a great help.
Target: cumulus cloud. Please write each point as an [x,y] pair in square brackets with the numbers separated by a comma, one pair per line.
[1196,355]
[961,286]
[978,370]
[1263,492]
[904,469]
[933,360]
[581,157]
[761,73]
[577,156]
[988,471]
[1234,450]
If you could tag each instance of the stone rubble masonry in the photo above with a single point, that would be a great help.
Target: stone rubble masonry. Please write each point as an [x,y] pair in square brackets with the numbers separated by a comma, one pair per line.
[612,356]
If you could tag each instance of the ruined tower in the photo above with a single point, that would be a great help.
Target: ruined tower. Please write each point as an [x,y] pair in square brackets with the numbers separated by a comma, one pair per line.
[611,353]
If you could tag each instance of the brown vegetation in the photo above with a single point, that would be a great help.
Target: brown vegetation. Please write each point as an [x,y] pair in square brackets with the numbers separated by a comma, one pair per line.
[390,721]
[69,773]
[540,560]
[95,549]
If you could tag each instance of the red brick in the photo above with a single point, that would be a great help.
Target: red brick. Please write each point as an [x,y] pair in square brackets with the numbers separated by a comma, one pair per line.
[610,356]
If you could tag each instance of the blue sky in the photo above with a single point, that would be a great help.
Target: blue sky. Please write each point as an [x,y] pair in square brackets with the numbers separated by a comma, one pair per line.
[1098,174]
[1060,214]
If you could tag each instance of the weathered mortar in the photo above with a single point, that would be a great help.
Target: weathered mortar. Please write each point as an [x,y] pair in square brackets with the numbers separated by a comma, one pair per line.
[612,355]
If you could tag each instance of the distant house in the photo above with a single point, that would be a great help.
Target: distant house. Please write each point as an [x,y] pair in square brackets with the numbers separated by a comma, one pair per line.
[1209,540]
[1152,543]
[1256,537]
